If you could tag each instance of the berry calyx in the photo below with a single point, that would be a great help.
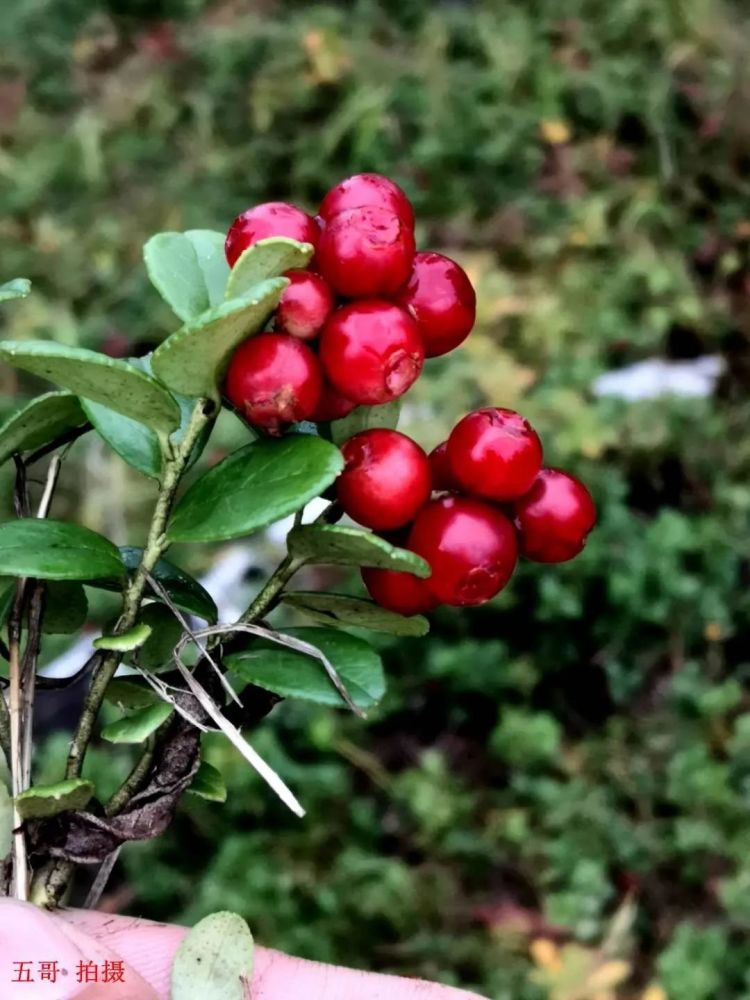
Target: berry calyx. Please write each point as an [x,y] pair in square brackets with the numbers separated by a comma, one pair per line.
[272,218]
[332,405]
[442,300]
[386,479]
[304,306]
[371,351]
[554,518]
[403,593]
[442,473]
[470,546]
[495,453]
[273,380]
[363,190]
[365,252]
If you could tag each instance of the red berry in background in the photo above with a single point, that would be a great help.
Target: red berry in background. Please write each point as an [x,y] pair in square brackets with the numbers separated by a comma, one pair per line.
[495,453]
[554,518]
[332,405]
[442,473]
[305,305]
[365,252]
[371,351]
[442,300]
[386,479]
[403,593]
[272,218]
[363,190]
[273,380]
[470,546]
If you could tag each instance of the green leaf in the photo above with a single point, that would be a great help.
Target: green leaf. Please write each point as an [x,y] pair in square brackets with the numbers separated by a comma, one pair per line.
[135,443]
[137,727]
[113,383]
[16,288]
[125,643]
[297,675]
[193,360]
[65,608]
[185,591]
[128,694]
[39,422]
[7,595]
[56,550]
[189,270]
[6,822]
[41,801]
[265,259]
[208,783]
[333,543]
[214,960]
[340,609]
[254,487]
[165,634]
[362,418]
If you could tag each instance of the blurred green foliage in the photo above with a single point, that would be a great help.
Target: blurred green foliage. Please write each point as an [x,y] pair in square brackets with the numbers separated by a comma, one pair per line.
[586,739]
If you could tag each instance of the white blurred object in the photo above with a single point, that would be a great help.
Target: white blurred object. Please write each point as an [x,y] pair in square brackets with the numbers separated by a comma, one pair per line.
[655,378]
[277,533]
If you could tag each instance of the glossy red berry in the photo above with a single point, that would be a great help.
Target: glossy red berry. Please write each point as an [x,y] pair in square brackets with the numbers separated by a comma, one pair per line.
[403,593]
[554,518]
[364,252]
[272,218]
[442,474]
[442,300]
[332,405]
[305,305]
[386,479]
[273,380]
[470,546]
[371,351]
[363,190]
[495,453]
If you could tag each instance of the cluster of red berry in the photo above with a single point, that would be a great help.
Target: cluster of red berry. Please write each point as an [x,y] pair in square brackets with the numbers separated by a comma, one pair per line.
[355,329]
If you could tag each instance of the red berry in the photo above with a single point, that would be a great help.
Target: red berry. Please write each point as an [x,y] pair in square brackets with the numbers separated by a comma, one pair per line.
[363,190]
[371,351]
[442,474]
[403,593]
[554,517]
[442,300]
[386,479]
[470,546]
[495,453]
[365,252]
[274,379]
[304,306]
[272,218]
[332,405]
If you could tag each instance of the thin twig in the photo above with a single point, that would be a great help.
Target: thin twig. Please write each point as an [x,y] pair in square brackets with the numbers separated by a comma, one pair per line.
[68,437]
[133,781]
[102,877]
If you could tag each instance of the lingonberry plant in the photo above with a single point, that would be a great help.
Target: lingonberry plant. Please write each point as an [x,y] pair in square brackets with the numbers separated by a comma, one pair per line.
[310,329]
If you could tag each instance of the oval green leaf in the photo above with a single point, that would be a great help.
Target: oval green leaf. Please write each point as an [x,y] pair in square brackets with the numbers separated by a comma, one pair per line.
[135,443]
[340,545]
[56,550]
[165,634]
[297,675]
[41,801]
[129,694]
[16,288]
[208,783]
[134,638]
[254,487]
[65,608]
[214,960]
[340,609]
[183,589]
[109,381]
[39,422]
[137,727]
[363,418]
[265,259]
[189,270]
[192,361]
